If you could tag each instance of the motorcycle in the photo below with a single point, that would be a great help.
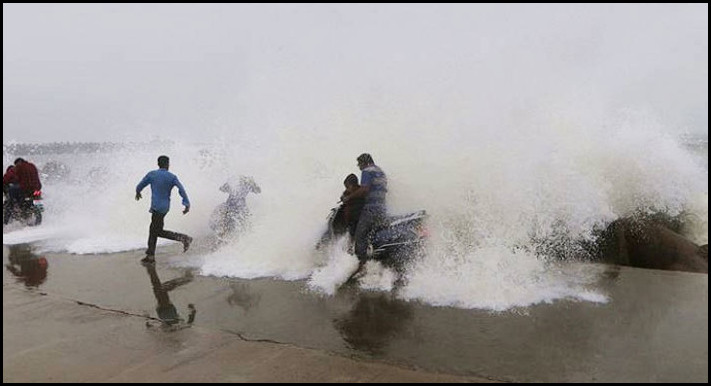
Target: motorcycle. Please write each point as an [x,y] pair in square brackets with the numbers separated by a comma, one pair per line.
[393,243]
[28,210]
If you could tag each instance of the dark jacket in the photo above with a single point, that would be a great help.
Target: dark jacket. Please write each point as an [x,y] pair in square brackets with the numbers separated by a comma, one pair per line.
[352,208]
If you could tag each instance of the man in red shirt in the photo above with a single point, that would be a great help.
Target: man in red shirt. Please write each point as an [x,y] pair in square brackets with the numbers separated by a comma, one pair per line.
[8,179]
[27,177]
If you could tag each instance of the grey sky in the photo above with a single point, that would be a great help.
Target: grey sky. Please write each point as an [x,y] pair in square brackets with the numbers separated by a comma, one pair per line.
[95,72]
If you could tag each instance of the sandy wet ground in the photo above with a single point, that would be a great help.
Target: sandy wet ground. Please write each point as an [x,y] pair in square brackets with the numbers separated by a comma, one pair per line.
[654,328]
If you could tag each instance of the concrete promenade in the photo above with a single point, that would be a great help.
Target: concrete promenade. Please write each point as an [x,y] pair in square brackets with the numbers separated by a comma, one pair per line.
[47,338]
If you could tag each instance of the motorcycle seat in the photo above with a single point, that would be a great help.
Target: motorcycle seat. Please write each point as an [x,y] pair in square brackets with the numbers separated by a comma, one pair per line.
[404,218]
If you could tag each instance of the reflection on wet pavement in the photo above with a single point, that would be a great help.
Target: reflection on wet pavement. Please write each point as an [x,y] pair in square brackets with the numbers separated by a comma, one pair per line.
[374,320]
[242,297]
[27,267]
[165,309]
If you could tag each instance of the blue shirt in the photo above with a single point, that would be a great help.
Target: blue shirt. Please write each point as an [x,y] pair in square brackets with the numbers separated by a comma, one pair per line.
[162,182]
[375,178]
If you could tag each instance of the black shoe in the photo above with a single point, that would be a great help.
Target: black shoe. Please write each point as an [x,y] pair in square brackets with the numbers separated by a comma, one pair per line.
[149,259]
[186,243]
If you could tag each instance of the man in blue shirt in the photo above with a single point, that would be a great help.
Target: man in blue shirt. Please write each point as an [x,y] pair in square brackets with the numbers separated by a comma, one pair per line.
[162,182]
[373,186]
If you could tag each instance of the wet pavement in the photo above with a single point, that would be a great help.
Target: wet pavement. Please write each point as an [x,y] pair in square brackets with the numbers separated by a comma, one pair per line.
[50,339]
[654,328]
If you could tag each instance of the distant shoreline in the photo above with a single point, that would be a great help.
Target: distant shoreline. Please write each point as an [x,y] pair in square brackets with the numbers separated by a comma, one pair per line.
[25,149]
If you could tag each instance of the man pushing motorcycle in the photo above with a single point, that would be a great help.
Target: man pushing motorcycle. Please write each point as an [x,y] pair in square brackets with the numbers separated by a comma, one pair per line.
[373,186]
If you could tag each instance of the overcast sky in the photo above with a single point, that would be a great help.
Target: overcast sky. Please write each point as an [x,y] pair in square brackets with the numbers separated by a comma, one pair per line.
[101,72]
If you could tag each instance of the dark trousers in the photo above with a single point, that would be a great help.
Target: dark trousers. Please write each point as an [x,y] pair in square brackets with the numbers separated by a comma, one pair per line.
[13,205]
[16,194]
[370,219]
[156,231]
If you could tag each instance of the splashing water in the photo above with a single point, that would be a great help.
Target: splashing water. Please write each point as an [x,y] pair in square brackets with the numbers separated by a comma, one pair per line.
[497,202]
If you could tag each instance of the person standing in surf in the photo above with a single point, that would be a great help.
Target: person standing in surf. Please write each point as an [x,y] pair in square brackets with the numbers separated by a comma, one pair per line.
[373,186]
[162,182]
